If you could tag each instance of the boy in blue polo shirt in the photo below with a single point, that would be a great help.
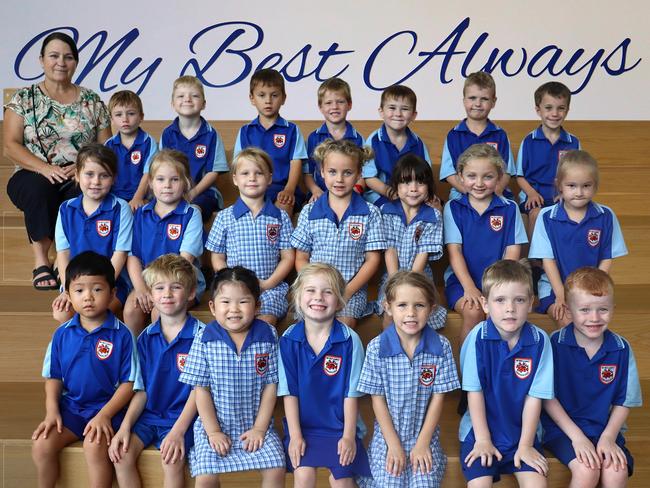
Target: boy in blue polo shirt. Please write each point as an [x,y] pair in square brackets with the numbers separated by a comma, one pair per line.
[596,384]
[334,102]
[278,137]
[133,147]
[479,98]
[507,369]
[163,409]
[191,134]
[90,367]
[541,150]
[391,141]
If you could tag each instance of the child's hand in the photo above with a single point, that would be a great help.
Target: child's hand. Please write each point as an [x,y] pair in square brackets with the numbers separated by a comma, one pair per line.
[263,286]
[485,451]
[191,195]
[50,422]
[98,425]
[286,197]
[435,202]
[421,459]
[533,199]
[532,457]
[471,299]
[316,194]
[297,446]
[395,459]
[172,448]
[220,442]
[586,452]
[390,193]
[136,203]
[347,450]
[143,299]
[611,453]
[559,309]
[62,303]
[119,445]
[252,439]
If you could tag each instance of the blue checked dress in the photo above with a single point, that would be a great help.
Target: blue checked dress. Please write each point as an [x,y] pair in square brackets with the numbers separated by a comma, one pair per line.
[236,382]
[407,387]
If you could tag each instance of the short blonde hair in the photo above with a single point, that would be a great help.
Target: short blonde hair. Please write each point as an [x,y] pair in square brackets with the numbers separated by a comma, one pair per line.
[178,161]
[593,281]
[574,159]
[331,274]
[192,81]
[399,92]
[334,85]
[414,279]
[125,98]
[257,156]
[481,151]
[481,79]
[507,271]
[343,146]
[170,267]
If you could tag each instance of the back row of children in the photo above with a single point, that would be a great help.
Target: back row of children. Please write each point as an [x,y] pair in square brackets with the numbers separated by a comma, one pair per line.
[120,397]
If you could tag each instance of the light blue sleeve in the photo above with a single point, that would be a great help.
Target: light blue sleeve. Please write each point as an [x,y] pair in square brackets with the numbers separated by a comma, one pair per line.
[633,393]
[47,362]
[446,163]
[375,238]
[520,231]
[192,242]
[450,229]
[286,228]
[468,364]
[125,233]
[218,236]
[136,373]
[542,384]
[427,158]
[153,149]
[510,164]
[283,386]
[618,244]
[301,239]
[369,169]
[237,149]
[60,239]
[357,363]
[519,168]
[219,165]
[300,149]
[540,244]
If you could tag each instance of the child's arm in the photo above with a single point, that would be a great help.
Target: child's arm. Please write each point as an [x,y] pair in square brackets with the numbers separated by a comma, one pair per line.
[284,267]
[120,442]
[583,447]
[53,389]
[366,271]
[142,295]
[173,446]
[253,439]
[138,197]
[209,180]
[219,441]
[420,262]
[395,456]
[100,424]
[553,275]
[472,295]
[454,180]
[302,259]
[483,449]
[421,457]
[297,443]
[607,448]
[512,252]
[502,184]
[375,184]
[347,445]
[62,302]
[218,261]
[118,260]
[288,195]
[533,198]
[315,190]
[605,265]
[392,261]
[525,451]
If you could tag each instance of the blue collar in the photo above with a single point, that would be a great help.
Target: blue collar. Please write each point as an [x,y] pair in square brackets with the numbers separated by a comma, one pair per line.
[187,332]
[424,214]
[107,204]
[181,209]
[203,129]
[322,210]
[279,122]
[240,208]
[111,322]
[489,128]
[140,137]
[527,335]
[611,342]
[337,334]
[411,138]
[496,201]
[389,344]
[539,134]
[350,132]
[559,213]
[259,331]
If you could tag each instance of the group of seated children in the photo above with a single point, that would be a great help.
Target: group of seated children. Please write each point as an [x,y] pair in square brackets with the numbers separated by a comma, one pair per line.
[363,200]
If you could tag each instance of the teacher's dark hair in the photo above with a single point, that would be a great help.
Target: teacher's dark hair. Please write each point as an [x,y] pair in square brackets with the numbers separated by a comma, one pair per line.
[60,36]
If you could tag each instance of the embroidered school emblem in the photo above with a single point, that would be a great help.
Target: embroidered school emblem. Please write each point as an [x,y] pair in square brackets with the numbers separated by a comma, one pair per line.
[418,233]
[331,365]
[560,155]
[261,363]
[174,231]
[200,150]
[523,367]
[607,373]
[180,361]
[272,232]
[496,222]
[136,157]
[279,140]
[593,237]
[103,227]
[427,374]
[356,230]
[103,349]
[495,145]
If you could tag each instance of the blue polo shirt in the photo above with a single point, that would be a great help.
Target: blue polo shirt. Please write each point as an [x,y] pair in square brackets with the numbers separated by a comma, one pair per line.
[460,138]
[162,363]
[484,238]
[321,382]
[282,141]
[91,365]
[131,162]
[538,159]
[320,135]
[587,388]
[505,377]
[107,230]
[386,156]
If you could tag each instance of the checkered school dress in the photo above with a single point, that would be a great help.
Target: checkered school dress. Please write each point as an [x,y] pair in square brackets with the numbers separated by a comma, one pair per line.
[255,243]
[407,387]
[236,382]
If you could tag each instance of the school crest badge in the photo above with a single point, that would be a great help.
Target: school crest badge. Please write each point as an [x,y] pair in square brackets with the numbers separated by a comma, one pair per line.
[200,150]
[174,231]
[261,363]
[356,230]
[180,361]
[418,233]
[593,237]
[607,373]
[103,349]
[495,145]
[136,157]
[427,374]
[103,227]
[523,367]
[272,232]
[279,140]
[331,365]
[496,222]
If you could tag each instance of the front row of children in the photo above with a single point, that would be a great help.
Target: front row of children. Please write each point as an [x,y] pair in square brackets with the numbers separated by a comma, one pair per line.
[120,397]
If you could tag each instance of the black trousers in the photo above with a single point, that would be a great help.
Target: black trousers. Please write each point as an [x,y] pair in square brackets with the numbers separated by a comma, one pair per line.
[39,200]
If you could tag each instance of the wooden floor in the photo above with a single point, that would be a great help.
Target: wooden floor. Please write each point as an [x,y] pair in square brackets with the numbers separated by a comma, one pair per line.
[26,326]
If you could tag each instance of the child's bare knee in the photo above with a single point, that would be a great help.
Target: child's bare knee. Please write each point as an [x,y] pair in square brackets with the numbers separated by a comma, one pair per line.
[582,476]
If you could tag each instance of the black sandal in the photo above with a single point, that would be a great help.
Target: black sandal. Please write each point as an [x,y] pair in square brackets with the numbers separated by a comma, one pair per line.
[47,275]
